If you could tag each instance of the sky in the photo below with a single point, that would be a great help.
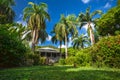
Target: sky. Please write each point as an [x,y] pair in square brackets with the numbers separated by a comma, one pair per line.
[58,7]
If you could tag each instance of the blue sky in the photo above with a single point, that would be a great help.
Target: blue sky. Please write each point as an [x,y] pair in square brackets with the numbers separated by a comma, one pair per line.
[57,7]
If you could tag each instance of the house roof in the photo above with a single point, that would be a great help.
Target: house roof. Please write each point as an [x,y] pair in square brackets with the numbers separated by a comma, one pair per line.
[47,49]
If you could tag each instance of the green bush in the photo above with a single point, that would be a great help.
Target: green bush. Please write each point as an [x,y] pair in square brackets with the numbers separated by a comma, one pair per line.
[12,51]
[83,58]
[36,59]
[107,52]
[72,51]
[70,60]
[42,60]
[29,58]
[62,61]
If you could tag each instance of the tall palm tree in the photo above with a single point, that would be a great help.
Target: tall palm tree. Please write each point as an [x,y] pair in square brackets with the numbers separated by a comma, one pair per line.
[80,41]
[6,12]
[57,37]
[87,19]
[66,27]
[36,16]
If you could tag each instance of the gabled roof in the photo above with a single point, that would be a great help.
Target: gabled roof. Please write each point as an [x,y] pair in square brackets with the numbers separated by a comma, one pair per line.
[47,49]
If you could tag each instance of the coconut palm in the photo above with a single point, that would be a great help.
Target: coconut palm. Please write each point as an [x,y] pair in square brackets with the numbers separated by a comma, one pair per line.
[6,12]
[87,19]
[56,37]
[66,27]
[36,15]
[80,41]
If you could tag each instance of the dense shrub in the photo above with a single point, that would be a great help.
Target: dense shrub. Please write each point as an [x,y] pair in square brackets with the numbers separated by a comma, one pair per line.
[36,59]
[107,52]
[12,51]
[29,58]
[70,60]
[42,60]
[72,51]
[62,61]
[83,58]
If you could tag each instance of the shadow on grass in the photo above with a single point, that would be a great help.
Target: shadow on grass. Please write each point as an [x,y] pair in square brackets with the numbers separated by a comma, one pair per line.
[58,73]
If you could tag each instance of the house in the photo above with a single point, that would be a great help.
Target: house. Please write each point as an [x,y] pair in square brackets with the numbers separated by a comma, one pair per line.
[52,55]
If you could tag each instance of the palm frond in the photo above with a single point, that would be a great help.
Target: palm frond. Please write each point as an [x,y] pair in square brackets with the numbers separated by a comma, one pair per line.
[31,3]
[95,13]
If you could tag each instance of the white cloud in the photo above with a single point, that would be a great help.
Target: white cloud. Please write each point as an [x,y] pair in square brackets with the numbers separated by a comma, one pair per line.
[107,5]
[22,22]
[63,46]
[69,43]
[85,1]
[49,38]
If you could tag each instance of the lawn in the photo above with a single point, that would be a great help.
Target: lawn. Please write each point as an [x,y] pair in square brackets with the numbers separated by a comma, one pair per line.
[59,73]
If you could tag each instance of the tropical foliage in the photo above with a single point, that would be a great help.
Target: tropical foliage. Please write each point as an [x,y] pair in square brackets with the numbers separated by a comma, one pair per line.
[36,16]
[87,19]
[6,12]
[57,36]
[109,23]
[65,27]
[80,41]
[14,38]
[107,51]
[12,51]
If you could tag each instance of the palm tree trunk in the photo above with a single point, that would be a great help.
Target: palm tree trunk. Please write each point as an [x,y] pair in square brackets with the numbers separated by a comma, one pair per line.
[66,55]
[33,39]
[60,49]
[92,36]
[33,47]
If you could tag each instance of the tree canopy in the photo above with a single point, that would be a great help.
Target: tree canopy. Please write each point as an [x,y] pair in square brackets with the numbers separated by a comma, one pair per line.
[109,23]
[36,15]
[6,12]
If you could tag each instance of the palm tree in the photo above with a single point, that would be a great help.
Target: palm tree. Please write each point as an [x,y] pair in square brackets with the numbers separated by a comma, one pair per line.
[6,12]
[36,16]
[87,18]
[57,37]
[66,27]
[80,41]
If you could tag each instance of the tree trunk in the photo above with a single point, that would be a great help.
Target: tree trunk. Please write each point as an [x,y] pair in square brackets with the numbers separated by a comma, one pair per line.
[60,50]
[92,36]
[33,47]
[33,40]
[66,55]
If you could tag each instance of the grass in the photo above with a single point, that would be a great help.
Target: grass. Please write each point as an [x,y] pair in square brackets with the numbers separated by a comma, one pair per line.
[59,73]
